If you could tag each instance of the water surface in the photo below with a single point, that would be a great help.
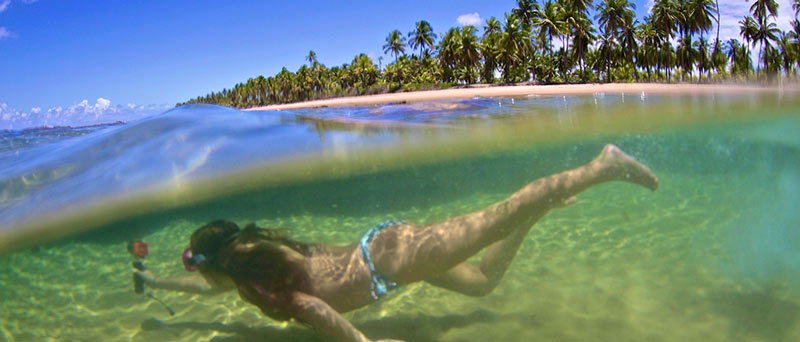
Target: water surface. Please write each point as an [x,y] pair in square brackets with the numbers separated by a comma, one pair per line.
[712,255]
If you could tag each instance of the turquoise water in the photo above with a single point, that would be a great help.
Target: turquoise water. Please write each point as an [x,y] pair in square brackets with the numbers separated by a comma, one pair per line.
[712,255]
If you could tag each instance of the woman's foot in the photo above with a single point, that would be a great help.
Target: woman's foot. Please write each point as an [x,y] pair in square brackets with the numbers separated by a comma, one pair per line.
[624,168]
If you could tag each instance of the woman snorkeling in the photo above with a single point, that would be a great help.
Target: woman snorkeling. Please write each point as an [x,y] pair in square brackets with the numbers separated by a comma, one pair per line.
[314,283]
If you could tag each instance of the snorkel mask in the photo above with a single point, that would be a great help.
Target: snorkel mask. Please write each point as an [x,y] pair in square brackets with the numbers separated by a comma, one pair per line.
[191,261]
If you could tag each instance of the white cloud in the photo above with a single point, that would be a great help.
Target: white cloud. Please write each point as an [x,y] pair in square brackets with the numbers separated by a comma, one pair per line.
[102,104]
[732,11]
[79,114]
[470,19]
[785,15]
[4,4]
[5,33]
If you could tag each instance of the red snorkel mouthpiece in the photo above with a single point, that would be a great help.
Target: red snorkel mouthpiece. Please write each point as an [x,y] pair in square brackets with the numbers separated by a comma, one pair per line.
[187,260]
[190,261]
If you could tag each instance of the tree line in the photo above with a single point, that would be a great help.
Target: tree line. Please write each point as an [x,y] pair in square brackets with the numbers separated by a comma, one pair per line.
[552,42]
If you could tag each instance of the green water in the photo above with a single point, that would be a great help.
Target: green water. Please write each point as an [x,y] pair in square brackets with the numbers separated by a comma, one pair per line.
[713,255]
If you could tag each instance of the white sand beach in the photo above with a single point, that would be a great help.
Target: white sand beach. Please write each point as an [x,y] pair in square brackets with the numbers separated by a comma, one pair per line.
[525,90]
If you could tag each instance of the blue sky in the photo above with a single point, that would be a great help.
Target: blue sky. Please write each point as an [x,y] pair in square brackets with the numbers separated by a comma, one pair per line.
[132,55]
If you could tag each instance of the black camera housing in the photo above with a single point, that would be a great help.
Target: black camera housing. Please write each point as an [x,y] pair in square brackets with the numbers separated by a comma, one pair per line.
[138,282]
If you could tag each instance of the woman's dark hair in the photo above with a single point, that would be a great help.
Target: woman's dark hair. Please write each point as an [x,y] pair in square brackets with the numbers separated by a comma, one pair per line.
[210,239]
[252,257]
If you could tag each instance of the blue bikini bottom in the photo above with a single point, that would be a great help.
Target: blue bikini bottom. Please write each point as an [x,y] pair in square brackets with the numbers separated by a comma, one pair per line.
[380,284]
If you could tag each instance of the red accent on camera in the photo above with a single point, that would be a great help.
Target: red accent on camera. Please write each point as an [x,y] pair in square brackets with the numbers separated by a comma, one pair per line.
[138,249]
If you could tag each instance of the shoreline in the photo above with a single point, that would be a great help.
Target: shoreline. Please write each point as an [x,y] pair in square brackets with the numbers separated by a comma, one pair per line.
[525,90]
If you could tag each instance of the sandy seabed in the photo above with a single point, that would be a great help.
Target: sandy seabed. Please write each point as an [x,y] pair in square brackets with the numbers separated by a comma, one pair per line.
[622,264]
[525,90]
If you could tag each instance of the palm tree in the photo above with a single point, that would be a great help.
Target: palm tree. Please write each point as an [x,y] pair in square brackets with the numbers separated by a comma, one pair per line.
[718,59]
[786,51]
[732,47]
[763,9]
[747,29]
[765,33]
[684,15]
[525,12]
[607,47]
[507,48]
[648,43]
[685,54]
[395,43]
[772,60]
[796,28]
[492,26]
[422,36]
[701,13]
[363,72]
[583,36]
[627,38]
[614,14]
[448,52]
[624,46]
[568,18]
[665,23]
[312,57]
[548,24]
[489,48]
[511,47]
[702,57]
[469,52]
[581,5]
[795,35]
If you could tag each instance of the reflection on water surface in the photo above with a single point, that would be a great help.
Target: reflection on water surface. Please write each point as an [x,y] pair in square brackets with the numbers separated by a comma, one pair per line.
[712,255]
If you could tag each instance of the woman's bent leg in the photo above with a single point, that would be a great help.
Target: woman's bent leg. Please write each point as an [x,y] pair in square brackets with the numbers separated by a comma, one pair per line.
[410,253]
[472,280]
[481,280]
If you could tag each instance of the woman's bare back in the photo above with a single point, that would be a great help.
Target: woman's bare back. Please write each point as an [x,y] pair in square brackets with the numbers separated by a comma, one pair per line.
[340,277]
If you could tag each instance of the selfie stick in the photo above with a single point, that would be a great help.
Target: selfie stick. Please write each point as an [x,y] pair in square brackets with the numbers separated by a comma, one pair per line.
[138,286]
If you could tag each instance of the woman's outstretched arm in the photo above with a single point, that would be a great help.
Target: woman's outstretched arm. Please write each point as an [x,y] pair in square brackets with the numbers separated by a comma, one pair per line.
[191,284]
[314,311]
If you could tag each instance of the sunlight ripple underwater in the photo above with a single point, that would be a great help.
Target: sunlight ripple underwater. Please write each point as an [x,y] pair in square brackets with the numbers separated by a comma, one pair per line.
[712,255]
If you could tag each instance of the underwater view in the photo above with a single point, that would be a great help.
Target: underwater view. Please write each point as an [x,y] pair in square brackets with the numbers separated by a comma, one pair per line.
[712,255]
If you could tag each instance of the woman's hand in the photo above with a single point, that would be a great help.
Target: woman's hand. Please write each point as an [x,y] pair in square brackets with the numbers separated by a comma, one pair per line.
[147,276]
